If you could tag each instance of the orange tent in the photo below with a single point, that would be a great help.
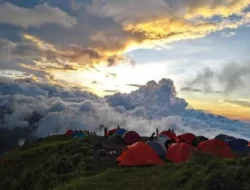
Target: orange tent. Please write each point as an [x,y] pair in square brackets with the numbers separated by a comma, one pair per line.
[139,154]
[180,152]
[216,147]
[186,137]
[169,134]
[248,144]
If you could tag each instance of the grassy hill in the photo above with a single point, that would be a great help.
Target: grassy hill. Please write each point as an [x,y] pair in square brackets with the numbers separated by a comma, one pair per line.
[63,163]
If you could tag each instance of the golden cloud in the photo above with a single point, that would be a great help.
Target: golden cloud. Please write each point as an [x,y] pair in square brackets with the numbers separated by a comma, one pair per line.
[222,8]
[172,29]
[71,58]
[108,47]
[165,20]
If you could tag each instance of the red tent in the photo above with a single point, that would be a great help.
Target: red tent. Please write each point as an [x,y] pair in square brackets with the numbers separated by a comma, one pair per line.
[248,144]
[69,132]
[179,152]
[216,147]
[139,154]
[186,137]
[111,132]
[169,134]
[131,137]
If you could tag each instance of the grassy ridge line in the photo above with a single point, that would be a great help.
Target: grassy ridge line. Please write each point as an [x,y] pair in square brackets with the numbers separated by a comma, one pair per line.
[201,173]
[63,163]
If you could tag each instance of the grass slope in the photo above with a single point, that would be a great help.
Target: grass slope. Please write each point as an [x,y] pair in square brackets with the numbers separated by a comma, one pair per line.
[63,163]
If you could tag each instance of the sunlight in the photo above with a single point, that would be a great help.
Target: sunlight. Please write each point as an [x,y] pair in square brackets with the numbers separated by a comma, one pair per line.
[103,80]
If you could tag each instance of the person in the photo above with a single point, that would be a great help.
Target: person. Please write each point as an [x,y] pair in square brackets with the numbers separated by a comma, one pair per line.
[172,131]
[118,127]
[105,131]
[152,136]
[157,131]
[99,151]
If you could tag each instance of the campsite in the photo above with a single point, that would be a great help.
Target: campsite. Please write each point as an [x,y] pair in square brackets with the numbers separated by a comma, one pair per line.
[121,159]
[124,95]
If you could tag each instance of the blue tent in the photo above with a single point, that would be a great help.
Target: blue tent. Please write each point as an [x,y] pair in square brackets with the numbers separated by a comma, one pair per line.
[225,138]
[157,148]
[79,135]
[239,145]
[120,132]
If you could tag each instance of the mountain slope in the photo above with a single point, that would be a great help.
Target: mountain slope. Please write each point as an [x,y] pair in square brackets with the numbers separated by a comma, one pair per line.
[63,163]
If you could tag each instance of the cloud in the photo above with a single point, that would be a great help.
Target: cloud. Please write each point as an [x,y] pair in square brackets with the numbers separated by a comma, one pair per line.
[111,75]
[227,35]
[35,17]
[111,91]
[105,31]
[95,82]
[190,89]
[157,98]
[134,85]
[241,103]
[171,21]
[53,110]
[164,8]
[232,78]
[42,59]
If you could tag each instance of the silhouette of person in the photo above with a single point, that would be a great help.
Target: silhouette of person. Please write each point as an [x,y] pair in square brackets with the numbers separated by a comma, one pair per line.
[152,136]
[157,131]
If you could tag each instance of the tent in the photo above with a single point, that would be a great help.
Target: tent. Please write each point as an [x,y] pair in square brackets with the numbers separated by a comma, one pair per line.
[157,148]
[179,152]
[86,133]
[161,141]
[120,132]
[166,138]
[169,134]
[225,138]
[116,139]
[131,137]
[80,135]
[69,132]
[198,139]
[238,145]
[111,132]
[186,137]
[216,147]
[139,154]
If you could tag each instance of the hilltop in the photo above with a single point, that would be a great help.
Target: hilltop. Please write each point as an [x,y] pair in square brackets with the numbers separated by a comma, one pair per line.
[63,163]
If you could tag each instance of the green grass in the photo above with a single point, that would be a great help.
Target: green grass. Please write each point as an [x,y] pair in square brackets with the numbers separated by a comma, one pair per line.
[63,163]
[214,174]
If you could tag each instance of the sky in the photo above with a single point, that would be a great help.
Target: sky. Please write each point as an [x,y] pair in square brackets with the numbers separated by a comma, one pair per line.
[106,47]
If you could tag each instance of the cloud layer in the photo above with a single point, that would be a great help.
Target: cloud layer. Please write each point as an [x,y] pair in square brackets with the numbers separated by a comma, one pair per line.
[35,17]
[48,110]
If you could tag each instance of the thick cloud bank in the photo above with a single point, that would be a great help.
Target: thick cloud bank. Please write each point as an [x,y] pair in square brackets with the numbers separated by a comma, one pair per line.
[47,110]
[231,78]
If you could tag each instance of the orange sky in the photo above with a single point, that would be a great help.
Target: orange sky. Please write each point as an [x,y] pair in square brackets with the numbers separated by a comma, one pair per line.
[221,108]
